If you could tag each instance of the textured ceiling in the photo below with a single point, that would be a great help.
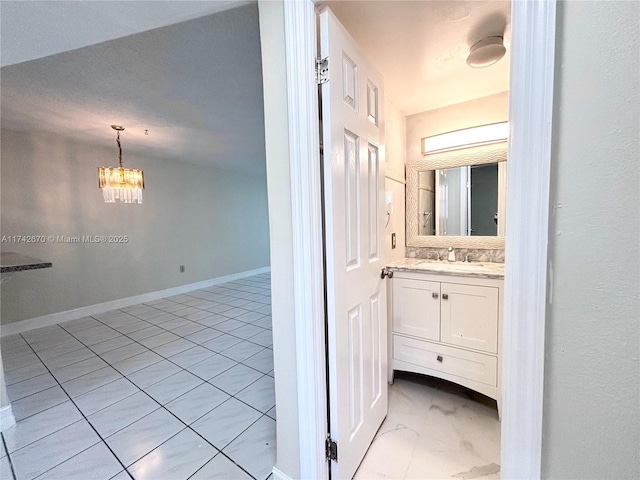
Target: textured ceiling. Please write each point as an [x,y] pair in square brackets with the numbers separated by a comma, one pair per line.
[195,86]
[420,47]
[39,28]
[74,68]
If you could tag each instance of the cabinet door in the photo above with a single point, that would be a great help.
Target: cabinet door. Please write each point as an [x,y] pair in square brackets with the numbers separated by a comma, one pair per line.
[470,316]
[416,308]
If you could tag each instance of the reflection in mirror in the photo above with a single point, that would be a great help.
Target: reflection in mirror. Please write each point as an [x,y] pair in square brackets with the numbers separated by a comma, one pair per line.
[457,198]
[464,201]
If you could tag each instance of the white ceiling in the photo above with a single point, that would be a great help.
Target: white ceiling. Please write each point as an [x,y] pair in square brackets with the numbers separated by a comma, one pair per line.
[420,47]
[74,68]
[36,29]
[195,86]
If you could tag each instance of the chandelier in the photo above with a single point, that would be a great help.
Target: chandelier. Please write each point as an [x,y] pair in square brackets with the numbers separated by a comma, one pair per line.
[118,183]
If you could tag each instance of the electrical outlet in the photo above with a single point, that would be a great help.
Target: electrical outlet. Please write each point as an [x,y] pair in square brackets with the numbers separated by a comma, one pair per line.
[181,268]
[393,241]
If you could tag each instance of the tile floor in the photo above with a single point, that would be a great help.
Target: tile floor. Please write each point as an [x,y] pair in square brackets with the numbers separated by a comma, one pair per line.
[434,430]
[179,388]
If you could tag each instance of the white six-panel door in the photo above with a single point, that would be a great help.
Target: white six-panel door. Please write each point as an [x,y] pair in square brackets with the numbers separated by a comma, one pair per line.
[353,163]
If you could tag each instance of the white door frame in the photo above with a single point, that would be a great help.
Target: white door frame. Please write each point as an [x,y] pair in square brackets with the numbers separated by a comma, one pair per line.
[530,115]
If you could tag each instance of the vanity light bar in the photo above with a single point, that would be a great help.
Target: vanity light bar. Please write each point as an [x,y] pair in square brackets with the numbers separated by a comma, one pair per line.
[468,137]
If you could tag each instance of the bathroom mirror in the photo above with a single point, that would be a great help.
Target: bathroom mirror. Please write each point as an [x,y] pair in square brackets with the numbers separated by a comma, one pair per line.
[457,198]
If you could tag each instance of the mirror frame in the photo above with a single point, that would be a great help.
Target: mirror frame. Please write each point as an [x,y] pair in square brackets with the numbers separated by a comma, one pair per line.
[494,153]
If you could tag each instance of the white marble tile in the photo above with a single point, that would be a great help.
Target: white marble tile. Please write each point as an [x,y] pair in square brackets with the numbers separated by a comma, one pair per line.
[272,413]
[261,361]
[104,396]
[24,373]
[75,370]
[137,362]
[136,440]
[40,425]
[225,422]
[221,343]
[191,356]
[255,448]
[174,386]
[90,381]
[122,353]
[235,379]
[211,366]
[196,403]
[29,387]
[178,458]
[97,459]
[122,414]
[154,373]
[241,351]
[260,394]
[186,310]
[52,450]
[204,335]
[435,430]
[3,451]
[38,402]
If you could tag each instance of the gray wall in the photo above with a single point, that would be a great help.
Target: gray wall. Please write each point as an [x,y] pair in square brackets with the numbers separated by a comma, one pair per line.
[213,221]
[591,399]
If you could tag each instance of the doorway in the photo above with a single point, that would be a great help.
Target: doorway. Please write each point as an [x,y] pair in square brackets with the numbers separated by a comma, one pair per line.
[530,110]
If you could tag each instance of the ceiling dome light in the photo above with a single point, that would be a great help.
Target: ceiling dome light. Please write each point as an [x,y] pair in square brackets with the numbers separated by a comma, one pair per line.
[486,52]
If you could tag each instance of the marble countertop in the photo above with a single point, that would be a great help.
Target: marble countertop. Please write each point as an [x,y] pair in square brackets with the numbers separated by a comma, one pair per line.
[471,269]
[14,262]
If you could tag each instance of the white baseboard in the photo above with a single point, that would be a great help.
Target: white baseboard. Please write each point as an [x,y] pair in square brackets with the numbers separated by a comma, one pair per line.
[55,318]
[278,475]
[7,419]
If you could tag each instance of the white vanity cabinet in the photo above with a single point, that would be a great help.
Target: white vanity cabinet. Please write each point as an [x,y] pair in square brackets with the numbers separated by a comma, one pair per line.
[449,327]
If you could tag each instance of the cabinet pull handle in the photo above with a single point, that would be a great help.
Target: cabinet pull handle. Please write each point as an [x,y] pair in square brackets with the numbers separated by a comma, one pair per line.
[445,296]
[434,295]
[439,358]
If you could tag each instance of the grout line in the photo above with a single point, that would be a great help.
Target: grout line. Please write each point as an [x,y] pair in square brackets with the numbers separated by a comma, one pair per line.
[144,391]
[85,419]
[4,443]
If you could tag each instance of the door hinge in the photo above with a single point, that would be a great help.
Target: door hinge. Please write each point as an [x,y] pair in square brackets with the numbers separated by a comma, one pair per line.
[322,70]
[331,448]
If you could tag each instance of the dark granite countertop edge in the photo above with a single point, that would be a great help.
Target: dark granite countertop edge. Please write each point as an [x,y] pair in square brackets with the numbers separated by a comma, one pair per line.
[29,266]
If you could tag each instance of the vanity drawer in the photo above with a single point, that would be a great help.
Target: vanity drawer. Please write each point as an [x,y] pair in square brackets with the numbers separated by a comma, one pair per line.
[453,361]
